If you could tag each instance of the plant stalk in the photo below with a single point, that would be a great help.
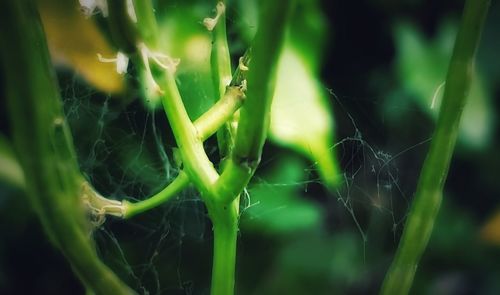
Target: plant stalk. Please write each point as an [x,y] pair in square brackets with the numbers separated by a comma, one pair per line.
[425,207]
[221,74]
[225,227]
[255,114]
[195,161]
[44,145]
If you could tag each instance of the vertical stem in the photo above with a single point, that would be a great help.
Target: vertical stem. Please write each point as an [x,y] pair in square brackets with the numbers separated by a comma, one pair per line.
[195,161]
[43,142]
[223,209]
[123,32]
[418,227]
[220,58]
[221,74]
[225,226]
[146,22]
[224,218]
[255,114]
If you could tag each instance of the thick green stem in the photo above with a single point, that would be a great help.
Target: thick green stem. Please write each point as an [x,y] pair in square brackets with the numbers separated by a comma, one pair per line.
[254,116]
[44,145]
[225,227]
[224,218]
[418,227]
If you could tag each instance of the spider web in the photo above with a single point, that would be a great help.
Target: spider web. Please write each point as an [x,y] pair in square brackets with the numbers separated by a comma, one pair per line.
[125,152]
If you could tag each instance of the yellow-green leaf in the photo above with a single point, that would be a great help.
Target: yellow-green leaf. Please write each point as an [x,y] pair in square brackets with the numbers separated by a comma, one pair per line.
[74,41]
[301,117]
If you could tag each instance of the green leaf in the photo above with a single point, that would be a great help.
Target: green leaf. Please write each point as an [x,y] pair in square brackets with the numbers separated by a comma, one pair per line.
[301,117]
[276,204]
[422,66]
[74,42]
[316,263]
[10,169]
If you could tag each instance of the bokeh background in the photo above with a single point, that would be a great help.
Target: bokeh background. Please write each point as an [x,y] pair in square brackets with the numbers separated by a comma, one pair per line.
[372,71]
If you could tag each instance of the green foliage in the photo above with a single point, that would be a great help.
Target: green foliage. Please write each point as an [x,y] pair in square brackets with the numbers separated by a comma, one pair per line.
[300,234]
[185,37]
[10,171]
[277,207]
[421,64]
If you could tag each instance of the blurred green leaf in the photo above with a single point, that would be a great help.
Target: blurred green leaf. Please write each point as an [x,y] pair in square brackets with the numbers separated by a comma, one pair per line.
[185,37]
[337,257]
[276,204]
[10,170]
[301,116]
[315,258]
[422,66]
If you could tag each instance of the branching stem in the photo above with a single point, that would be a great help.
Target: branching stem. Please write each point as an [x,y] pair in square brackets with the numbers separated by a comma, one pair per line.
[254,116]
[205,127]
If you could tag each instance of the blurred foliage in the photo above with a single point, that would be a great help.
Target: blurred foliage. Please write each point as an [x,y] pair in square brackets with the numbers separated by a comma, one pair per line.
[10,170]
[74,41]
[276,206]
[301,116]
[491,230]
[296,237]
[185,37]
[421,65]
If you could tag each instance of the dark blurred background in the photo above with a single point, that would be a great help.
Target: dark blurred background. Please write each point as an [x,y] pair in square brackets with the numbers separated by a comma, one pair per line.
[381,64]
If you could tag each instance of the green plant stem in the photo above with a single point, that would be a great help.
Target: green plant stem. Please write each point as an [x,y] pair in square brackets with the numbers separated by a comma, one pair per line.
[123,32]
[223,110]
[254,116]
[194,159]
[225,227]
[220,58]
[206,125]
[224,218]
[43,142]
[176,186]
[221,74]
[223,207]
[146,22]
[418,227]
